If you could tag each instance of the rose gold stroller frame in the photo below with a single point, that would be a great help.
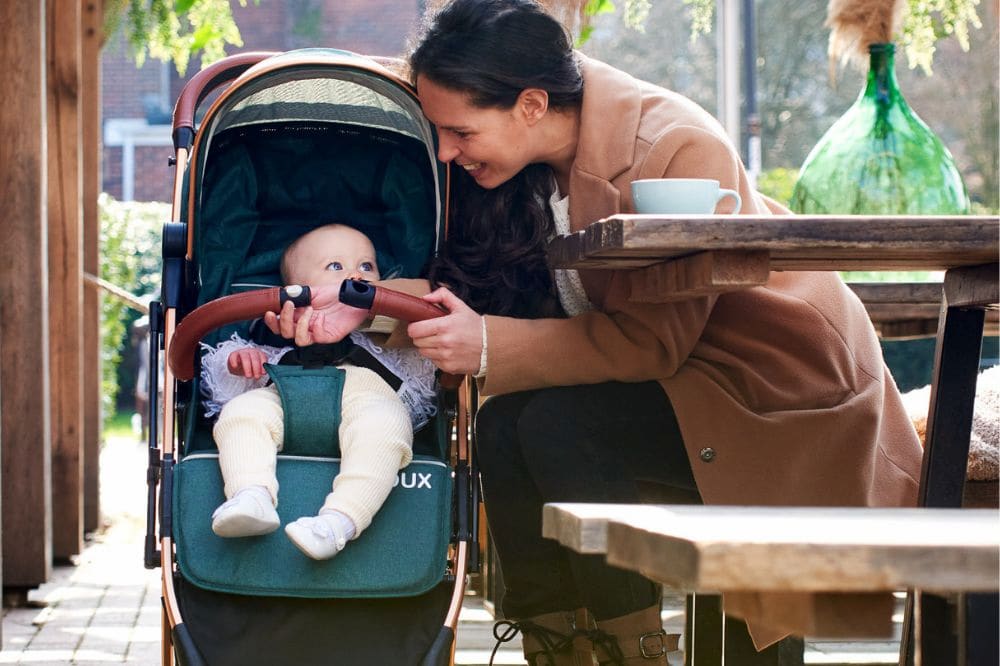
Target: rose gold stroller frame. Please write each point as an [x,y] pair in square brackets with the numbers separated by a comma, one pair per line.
[178,243]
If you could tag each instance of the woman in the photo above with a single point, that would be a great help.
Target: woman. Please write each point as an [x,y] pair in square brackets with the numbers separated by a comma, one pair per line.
[772,395]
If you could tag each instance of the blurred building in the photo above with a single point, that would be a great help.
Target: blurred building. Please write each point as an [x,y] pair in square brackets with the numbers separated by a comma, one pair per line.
[137,102]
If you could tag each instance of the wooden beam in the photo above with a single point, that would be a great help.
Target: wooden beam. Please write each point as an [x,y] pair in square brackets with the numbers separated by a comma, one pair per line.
[24,363]
[91,18]
[973,286]
[65,280]
[699,274]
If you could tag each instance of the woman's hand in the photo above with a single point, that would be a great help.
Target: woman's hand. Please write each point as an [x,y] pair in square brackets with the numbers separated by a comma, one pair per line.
[454,342]
[247,362]
[326,320]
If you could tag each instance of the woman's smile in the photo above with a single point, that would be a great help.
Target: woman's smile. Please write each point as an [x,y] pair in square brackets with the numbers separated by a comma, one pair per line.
[468,133]
[473,168]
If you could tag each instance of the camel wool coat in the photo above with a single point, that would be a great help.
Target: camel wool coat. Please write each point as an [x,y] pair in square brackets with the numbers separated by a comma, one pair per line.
[781,392]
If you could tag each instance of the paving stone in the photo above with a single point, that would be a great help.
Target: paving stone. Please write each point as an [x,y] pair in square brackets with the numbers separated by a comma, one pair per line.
[106,608]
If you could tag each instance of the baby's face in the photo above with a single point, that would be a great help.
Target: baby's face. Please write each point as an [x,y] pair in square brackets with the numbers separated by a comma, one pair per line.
[329,255]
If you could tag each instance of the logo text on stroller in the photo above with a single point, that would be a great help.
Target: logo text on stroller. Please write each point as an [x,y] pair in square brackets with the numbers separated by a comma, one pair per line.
[413,480]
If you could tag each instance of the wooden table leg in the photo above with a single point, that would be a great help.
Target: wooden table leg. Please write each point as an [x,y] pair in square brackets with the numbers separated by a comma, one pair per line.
[944,629]
[703,630]
[982,617]
[711,638]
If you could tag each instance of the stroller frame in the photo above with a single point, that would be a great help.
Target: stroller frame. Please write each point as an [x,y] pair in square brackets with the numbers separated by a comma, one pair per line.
[178,279]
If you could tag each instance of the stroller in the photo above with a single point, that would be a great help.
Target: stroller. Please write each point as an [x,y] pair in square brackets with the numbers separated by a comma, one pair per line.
[289,142]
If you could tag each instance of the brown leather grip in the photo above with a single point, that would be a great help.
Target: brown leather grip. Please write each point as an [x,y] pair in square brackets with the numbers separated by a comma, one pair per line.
[398,305]
[252,304]
[212,315]
[410,308]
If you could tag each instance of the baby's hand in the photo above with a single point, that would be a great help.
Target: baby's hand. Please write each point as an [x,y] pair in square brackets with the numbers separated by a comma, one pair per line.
[248,362]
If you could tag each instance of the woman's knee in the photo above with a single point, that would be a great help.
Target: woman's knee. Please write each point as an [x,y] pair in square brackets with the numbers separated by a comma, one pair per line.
[495,426]
[551,417]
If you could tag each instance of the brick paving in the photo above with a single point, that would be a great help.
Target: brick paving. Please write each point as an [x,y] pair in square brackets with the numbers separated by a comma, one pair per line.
[105,608]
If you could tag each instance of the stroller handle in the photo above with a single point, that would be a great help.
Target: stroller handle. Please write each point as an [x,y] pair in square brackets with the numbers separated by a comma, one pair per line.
[252,304]
[395,304]
[221,311]
[382,301]
[202,84]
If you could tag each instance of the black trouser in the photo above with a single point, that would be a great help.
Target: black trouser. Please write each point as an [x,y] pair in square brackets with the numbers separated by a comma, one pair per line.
[572,444]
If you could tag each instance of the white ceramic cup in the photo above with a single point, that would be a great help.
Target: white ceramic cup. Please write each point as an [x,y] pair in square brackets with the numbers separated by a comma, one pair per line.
[681,196]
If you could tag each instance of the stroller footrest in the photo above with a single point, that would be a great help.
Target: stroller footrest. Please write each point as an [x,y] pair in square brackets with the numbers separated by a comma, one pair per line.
[402,553]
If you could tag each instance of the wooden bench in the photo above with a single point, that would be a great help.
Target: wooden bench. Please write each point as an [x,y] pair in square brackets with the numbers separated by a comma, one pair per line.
[831,553]
[908,310]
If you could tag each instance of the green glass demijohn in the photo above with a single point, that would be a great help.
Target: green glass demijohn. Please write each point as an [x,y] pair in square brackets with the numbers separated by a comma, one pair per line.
[879,158]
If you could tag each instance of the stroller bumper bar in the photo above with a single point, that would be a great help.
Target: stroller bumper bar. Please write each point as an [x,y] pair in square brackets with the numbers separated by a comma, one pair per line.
[252,304]
[382,301]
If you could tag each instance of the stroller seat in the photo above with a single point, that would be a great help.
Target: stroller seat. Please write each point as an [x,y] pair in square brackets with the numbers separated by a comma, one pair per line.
[402,553]
[297,141]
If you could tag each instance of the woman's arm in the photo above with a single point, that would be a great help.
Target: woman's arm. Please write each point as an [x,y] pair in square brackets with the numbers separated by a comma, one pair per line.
[621,339]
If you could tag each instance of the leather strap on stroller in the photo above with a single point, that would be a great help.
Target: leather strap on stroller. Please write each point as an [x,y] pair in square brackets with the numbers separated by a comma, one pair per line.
[310,399]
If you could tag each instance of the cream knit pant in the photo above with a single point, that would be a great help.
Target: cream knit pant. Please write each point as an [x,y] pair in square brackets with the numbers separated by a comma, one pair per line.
[376,440]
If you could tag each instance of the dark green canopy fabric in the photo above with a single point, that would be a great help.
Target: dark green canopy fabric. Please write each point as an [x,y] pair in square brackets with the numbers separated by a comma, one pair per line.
[264,187]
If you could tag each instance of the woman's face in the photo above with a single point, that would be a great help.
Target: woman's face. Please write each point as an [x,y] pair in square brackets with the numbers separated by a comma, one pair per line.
[490,144]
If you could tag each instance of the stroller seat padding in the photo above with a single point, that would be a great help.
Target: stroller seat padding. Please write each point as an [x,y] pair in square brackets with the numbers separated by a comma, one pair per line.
[311,401]
[402,553]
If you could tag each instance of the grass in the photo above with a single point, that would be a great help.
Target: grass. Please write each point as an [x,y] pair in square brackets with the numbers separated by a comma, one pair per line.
[118,425]
[892,276]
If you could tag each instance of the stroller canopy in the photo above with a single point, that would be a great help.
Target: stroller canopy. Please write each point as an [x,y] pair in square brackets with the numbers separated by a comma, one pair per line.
[307,138]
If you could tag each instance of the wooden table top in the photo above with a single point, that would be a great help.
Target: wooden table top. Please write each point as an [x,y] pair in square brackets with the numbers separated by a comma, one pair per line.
[788,549]
[793,242]
[676,257]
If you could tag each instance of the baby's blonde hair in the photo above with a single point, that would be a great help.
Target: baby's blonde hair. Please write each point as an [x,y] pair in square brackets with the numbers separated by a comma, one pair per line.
[285,267]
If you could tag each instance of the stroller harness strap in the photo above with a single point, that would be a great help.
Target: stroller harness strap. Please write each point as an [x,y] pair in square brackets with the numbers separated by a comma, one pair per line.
[310,399]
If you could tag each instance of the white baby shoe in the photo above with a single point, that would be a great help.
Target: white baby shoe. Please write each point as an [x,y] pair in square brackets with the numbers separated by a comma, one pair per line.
[320,537]
[250,512]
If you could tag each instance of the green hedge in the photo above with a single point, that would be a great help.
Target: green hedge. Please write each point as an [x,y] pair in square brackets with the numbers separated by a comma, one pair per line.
[130,259]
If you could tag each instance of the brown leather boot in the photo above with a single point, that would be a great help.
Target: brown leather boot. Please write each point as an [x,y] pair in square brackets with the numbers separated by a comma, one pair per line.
[636,639]
[549,640]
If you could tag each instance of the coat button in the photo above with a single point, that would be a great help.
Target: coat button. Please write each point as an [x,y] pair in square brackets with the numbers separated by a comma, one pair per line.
[707,454]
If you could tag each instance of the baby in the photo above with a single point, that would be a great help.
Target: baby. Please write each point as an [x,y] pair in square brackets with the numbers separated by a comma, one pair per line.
[376,428]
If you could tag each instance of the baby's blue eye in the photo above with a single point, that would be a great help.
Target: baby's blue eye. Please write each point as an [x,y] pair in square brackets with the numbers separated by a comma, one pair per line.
[367,266]
[334,266]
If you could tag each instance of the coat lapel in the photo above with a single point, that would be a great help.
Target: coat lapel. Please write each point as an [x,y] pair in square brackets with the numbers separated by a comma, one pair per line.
[604,150]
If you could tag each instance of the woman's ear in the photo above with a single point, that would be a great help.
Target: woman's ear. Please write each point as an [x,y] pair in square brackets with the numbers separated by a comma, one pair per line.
[532,103]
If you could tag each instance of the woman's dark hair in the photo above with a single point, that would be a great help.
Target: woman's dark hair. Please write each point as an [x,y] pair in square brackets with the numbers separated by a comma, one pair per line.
[491,50]
[494,256]
[494,49]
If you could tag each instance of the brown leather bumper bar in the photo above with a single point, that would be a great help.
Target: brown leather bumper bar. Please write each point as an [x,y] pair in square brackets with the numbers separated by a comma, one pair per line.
[386,302]
[253,304]
[212,315]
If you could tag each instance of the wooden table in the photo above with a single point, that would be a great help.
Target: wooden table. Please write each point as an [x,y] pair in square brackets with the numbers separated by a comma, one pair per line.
[676,257]
[783,242]
[804,549]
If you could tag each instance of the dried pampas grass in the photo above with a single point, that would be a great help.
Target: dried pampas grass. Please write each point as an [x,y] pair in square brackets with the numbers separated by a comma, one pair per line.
[854,24]
[571,13]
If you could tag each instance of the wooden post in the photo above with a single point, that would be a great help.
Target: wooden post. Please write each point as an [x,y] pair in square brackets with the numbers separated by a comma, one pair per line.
[91,18]
[65,280]
[24,364]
